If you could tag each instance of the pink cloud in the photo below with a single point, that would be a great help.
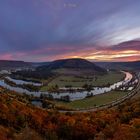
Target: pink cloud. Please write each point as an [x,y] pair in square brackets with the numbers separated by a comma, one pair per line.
[6,57]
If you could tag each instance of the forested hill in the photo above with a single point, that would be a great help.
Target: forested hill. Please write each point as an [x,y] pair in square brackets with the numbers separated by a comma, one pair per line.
[21,121]
[75,63]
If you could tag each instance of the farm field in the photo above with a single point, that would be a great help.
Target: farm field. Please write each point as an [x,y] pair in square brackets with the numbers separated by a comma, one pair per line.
[93,101]
[78,81]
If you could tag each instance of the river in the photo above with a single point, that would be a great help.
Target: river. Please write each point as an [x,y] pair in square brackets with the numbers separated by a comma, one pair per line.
[21,82]
[73,96]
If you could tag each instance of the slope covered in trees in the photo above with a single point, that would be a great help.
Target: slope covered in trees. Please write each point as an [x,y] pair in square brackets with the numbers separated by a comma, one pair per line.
[21,120]
[74,64]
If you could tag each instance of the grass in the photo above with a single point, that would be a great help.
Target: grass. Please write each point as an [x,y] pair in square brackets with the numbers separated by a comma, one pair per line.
[101,80]
[111,77]
[44,88]
[92,101]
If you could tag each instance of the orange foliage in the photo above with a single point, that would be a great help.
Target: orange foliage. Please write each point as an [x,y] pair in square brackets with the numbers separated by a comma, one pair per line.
[112,124]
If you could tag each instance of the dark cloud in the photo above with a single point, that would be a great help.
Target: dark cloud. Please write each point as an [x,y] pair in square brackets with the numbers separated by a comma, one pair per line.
[46,28]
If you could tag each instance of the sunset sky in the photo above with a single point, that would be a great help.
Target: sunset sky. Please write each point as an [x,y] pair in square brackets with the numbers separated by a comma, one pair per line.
[46,30]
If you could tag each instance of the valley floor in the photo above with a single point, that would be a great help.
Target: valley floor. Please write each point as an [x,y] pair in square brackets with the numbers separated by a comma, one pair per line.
[79,81]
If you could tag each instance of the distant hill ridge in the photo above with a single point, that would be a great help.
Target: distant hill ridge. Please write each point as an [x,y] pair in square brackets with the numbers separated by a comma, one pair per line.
[135,65]
[10,64]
